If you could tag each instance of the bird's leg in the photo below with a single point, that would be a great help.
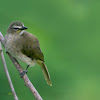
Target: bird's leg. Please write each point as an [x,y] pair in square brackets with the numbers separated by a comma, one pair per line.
[25,71]
[27,67]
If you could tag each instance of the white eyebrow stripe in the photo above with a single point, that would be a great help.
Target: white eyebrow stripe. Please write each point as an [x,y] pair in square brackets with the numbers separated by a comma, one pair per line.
[17,27]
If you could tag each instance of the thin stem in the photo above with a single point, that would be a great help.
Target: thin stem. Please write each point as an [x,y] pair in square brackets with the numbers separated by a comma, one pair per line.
[7,74]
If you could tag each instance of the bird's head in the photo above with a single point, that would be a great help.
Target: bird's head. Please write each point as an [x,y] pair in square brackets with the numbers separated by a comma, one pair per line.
[16,27]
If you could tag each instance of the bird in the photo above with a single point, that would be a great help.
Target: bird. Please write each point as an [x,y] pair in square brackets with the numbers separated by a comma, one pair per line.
[25,47]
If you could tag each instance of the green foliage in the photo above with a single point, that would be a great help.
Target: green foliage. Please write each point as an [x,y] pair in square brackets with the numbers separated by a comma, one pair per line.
[69,36]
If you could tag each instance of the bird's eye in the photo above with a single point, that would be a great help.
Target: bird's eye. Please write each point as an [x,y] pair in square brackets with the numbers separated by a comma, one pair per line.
[16,28]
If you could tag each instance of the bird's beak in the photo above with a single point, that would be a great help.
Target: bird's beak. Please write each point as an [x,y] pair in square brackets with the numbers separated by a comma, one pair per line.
[23,28]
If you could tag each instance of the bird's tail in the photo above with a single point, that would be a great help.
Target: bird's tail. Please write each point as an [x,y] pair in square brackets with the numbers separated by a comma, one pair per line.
[45,72]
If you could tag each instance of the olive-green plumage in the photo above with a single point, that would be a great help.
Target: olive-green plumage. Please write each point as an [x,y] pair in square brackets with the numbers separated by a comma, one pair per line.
[25,46]
[30,46]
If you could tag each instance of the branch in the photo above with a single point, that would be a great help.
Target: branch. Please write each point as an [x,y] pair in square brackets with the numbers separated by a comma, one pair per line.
[20,70]
[7,73]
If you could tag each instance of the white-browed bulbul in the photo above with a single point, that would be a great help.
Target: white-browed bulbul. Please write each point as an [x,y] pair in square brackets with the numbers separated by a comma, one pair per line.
[25,46]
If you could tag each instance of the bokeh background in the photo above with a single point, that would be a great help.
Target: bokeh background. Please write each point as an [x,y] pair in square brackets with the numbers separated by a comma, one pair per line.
[69,35]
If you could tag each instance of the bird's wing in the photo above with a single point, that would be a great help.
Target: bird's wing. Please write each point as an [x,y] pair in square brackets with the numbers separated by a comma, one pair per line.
[31,47]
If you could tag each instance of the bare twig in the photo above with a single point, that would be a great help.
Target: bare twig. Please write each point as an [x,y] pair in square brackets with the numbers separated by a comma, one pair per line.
[7,73]
[25,78]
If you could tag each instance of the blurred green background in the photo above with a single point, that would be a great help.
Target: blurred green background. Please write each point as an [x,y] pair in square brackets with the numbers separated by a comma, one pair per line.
[69,35]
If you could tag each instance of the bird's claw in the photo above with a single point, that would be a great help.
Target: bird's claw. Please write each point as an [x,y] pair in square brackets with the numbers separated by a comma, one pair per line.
[7,52]
[23,73]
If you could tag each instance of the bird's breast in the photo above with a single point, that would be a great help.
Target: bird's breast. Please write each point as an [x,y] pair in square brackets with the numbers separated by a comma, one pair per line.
[10,45]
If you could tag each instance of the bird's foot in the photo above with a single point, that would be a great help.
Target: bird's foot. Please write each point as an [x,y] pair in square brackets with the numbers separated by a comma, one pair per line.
[23,73]
[7,52]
